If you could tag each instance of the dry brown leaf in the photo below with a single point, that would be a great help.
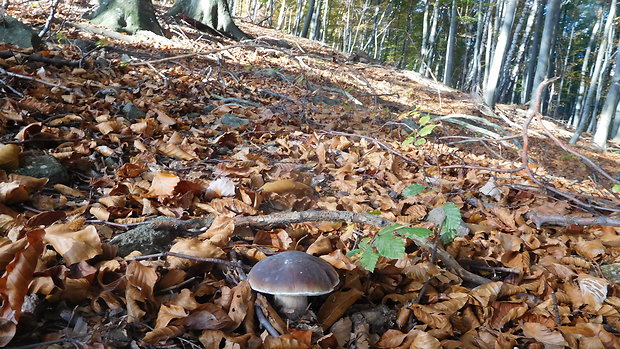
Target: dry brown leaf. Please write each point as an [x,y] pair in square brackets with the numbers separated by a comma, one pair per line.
[590,249]
[285,186]
[163,184]
[65,190]
[542,334]
[423,340]
[336,305]
[9,156]
[241,302]
[194,247]
[74,246]
[14,284]
[220,231]
[391,339]
[208,316]
[162,334]
[168,313]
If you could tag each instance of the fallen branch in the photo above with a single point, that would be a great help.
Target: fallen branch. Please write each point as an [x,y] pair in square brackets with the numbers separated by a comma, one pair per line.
[361,218]
[30,78]
[560,220]
[173,228]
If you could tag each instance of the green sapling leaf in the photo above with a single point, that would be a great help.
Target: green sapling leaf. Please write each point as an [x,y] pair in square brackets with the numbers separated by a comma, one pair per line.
[413,190]
[390,246]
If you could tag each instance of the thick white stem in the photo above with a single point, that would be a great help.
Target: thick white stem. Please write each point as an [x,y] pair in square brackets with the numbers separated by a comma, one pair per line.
[292,306]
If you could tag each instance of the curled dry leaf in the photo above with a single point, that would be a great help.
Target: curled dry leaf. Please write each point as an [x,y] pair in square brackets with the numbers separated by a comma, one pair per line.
[220,230]
[543,334]
[337,305]
[163,184]
[14,284]
[221,187]
[162,334]
[9,156]
[208,316]
[168,313]
[74,246]
[285,186]
[193,247]
[65,190]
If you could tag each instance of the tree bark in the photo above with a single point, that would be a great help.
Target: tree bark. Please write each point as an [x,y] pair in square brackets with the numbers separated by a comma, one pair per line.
[126,15]
[528,76]
[308,19]
[609,109]
[447,75]
[211,13]
[500,52]
[598,66]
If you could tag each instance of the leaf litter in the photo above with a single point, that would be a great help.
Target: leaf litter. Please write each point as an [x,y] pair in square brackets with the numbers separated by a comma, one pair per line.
[253,131]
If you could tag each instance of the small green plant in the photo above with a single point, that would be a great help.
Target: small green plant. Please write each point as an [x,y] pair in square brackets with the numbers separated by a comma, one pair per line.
[417,136]
[616,188]
[389,241]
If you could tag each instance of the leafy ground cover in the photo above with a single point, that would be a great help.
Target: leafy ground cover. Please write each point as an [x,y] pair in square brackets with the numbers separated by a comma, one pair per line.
[220,136]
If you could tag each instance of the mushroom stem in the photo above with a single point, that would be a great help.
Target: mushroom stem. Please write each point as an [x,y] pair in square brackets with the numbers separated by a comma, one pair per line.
[292,306]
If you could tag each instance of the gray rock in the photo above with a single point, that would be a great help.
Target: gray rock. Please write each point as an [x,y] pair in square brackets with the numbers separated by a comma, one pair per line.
[233,121]
[132,112]
[44,166]
[611,272]
[16,33]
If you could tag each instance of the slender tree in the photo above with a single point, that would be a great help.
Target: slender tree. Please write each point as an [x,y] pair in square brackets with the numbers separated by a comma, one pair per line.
[500,52]
[584,118]
[542,64]
[447,76]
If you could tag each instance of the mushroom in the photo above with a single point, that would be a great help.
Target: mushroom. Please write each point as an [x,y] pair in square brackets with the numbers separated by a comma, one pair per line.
[291,276]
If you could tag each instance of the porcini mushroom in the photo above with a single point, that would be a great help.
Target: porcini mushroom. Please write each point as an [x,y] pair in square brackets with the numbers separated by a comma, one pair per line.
[291,277]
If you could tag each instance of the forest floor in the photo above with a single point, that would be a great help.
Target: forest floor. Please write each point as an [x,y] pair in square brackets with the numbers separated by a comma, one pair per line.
[144,125]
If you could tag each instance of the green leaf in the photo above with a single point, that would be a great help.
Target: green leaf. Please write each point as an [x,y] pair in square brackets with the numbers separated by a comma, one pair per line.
[426,130]
[413,189]
[390,246]
[616,188]
[369,259]
[424,120]
[375,212]
[419,142]
[392,228]
[408,141]
[354,252]
[453,216]
[415,232]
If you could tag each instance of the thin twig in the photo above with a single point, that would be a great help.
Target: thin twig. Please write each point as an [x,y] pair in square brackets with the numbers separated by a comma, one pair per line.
[50,18]
[30,78]
[193,258]
[264,322]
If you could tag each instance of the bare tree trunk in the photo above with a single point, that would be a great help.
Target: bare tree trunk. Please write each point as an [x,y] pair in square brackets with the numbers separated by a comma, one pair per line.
[281,15]
[542,64]
[432,36]
[532,55]
[500,51]
[326,11]
[598,65]
[423,46]
[473,73]
[127,15]
[211,13]
[447,76]
[308,19]
[298,15]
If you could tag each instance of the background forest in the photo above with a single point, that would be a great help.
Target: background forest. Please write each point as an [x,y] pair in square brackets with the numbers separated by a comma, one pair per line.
[502,49]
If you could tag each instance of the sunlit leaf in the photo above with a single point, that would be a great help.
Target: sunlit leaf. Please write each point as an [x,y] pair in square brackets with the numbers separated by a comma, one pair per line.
[413,189]
[390,246]
[426,130]
[369,259]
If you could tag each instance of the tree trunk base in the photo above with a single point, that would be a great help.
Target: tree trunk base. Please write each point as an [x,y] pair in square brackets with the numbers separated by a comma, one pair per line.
[211,13]
[127,16]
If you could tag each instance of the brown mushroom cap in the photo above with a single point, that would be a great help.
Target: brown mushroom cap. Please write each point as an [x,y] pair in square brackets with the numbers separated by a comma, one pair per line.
[293,273]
